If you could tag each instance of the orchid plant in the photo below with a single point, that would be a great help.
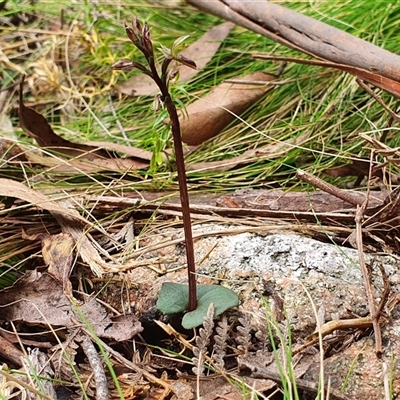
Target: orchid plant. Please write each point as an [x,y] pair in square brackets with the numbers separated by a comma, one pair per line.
[173,297]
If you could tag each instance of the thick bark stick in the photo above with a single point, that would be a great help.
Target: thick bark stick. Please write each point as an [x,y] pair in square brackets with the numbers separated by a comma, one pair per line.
[305,34]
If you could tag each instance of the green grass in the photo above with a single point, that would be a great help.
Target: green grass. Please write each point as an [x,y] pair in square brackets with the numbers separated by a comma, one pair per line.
[281,340]
[327,105]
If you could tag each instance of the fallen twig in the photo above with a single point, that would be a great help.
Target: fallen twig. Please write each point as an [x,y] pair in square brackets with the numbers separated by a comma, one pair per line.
[97,368]
[312,37]
[354,198]
[334,325]
[367,282]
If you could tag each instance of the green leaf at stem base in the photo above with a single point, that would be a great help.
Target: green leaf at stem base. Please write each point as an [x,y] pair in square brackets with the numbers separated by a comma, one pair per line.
[174,297]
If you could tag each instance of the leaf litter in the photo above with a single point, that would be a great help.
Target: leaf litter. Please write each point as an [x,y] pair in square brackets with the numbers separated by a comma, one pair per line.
[25,300]
[72,223]
[43,299]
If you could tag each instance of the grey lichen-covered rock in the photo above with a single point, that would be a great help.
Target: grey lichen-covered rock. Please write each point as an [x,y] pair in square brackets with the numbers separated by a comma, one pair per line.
[298,268]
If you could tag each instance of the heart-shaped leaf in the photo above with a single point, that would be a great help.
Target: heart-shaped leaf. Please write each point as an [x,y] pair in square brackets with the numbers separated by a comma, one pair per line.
[174,298]
[223,299]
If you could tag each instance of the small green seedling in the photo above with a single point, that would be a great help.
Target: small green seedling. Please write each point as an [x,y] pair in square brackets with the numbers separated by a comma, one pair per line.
[174,297]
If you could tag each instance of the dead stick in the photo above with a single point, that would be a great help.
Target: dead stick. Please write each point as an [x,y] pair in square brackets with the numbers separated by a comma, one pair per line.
[305,34]
[367,282]
[96,364]
[352,198]
[331,326]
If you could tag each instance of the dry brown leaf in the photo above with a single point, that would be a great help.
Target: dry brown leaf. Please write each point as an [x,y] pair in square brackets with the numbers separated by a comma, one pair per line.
[139,85]
[217,388]
[364,168]
[58,256]
[92,166]
[10,151]
[70,220]
[122,165]
[38,299]
[201,52]
[36,126]
[263,364]
[208,116]
[182,390]
[10,188]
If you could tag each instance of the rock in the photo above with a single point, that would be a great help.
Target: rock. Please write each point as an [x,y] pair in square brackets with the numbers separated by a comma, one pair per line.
[294,268]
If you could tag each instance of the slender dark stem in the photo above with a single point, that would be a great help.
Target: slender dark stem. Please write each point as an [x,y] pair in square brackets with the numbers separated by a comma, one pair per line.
[187,225]
[183,191]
